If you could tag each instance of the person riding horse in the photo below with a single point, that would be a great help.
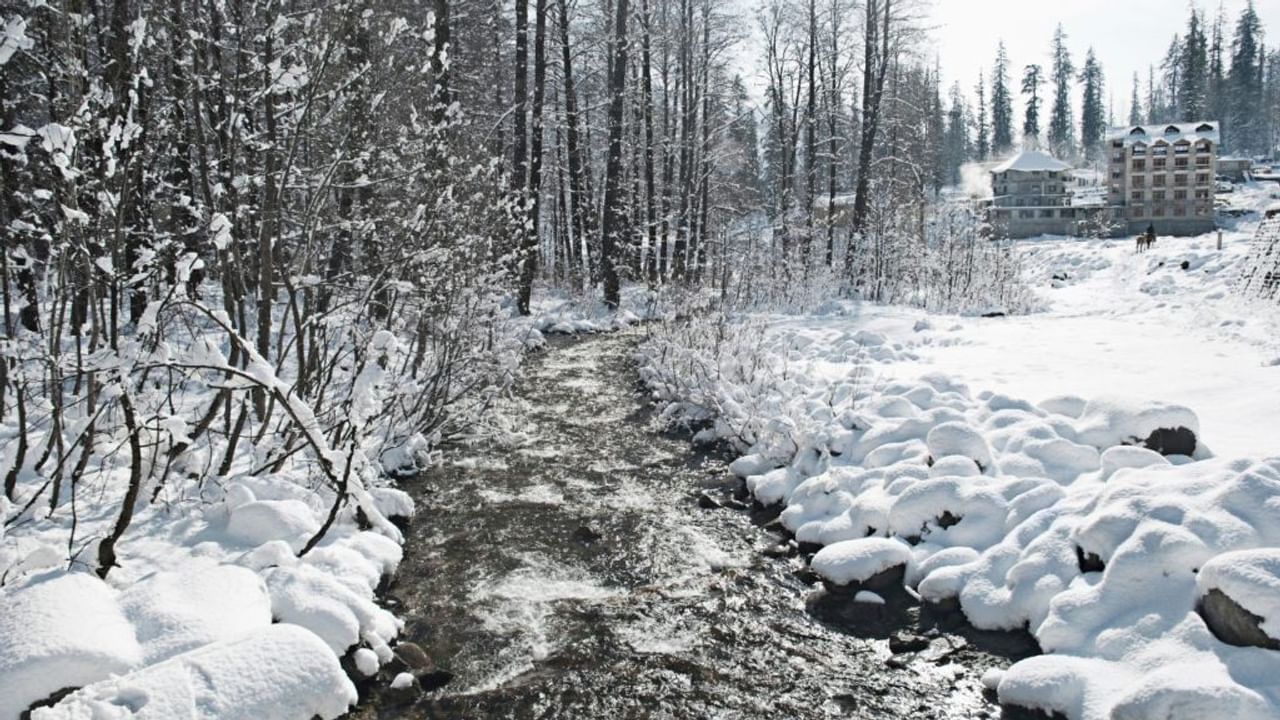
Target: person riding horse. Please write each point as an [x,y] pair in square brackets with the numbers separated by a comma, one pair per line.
[1146,240]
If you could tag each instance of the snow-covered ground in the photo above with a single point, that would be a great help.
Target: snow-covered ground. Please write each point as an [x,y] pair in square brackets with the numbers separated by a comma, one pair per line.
[1005,463]
[1116,322]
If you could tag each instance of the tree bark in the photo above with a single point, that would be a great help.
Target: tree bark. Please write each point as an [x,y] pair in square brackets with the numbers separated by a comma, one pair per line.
[614,213]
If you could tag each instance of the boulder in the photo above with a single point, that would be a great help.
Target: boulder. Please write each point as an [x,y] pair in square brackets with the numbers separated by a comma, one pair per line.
[1239,597]
[1231,623]
[1171,441]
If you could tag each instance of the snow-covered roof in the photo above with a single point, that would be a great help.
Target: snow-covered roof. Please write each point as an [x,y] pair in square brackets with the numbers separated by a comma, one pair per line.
[1169,132]
[1031,161]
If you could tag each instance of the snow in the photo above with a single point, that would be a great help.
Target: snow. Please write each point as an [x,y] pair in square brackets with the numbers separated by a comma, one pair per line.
[366,662]
[1109,421]
[956,438]
[1149,134]
[1032,161]
[868,597]
[340,615]
[1251,578]
[1009,451]
[262,521]
[59,631]
[402,681]
[859,560]
[194,605]
[278,672]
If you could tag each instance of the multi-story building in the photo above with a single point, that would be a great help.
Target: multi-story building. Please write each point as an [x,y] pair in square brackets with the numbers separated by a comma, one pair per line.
[1029,197]
[1162,176]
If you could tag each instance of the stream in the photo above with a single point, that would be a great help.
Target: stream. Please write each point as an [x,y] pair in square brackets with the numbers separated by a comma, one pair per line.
[604,569]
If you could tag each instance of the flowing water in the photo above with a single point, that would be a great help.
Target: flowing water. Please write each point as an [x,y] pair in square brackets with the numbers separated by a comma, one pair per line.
[580,575]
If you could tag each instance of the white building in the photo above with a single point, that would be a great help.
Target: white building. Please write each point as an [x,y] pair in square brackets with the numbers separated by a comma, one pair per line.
[1163,176]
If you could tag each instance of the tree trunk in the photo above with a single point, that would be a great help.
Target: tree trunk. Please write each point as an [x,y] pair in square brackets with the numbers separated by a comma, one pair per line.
[614,214]
[874,72]
[650,209]
[529,250]
[520,151]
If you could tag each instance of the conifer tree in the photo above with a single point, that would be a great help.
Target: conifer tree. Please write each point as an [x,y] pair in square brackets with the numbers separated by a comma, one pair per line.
[982,129]
[1001,105]
[1061,130]
[1093,119]
[1193,92]
[1245,84]
[1032,79]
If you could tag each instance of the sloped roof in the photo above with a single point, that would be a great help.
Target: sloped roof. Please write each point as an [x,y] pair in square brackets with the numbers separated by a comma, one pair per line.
[1169,132]
[1031,161]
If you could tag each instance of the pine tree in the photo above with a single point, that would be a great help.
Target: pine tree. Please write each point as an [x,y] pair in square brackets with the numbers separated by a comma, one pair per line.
[1271,106]
[1193,92]
[1217,84]
[956,139]
[1245,83]
[982,129]
[1032,79]
[1001,105]
[1154,95]
[1135,104]
[1061,130]
[1092,115]
[1170,83]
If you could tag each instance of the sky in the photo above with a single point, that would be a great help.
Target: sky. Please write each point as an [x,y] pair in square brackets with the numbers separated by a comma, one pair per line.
[1127,35]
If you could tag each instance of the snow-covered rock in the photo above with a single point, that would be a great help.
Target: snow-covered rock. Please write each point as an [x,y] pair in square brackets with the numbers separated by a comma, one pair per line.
[857,561]
[319,602]
[176,611]
[62,631]
[1239,597]
[1107,422]
[278,672]
[1128,456]
[262,521]
[958,438]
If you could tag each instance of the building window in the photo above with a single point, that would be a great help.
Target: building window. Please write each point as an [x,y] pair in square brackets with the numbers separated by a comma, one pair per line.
[1157,194]
[1026,214]
[1180,211]
[1182,148]
[1139,181]
[1179,194]
[1202,211]
[1158,180]
[1202,194]
[1202,161]
[1158,164]
[1046,213]
[1160,150]
[1180,180]
[1202,178]
[1136,196]
[1180,162]
[1139,165]
[1116,174]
